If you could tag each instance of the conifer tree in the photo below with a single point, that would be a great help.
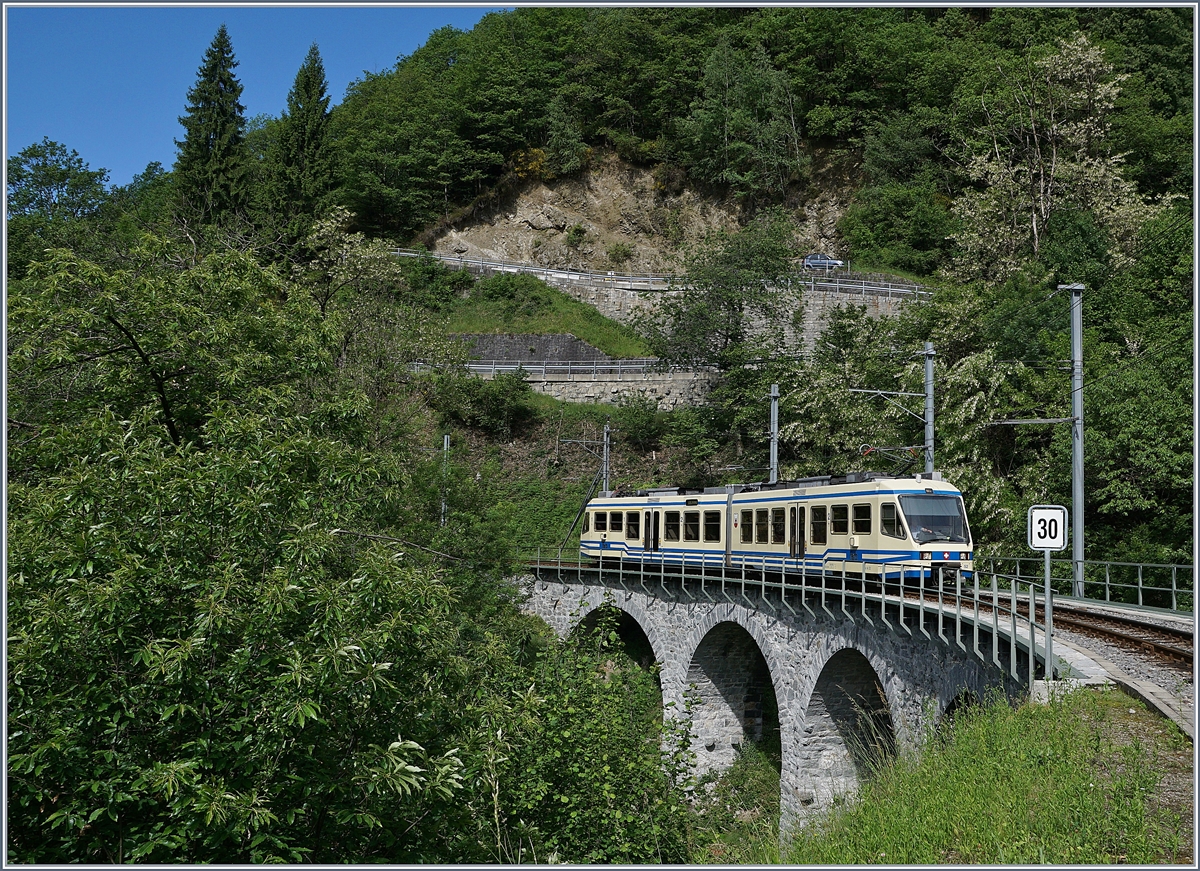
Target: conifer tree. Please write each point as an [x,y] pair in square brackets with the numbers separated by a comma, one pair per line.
[212,163]
[299,174]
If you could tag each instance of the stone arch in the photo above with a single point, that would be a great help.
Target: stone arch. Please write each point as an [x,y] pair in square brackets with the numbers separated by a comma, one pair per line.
[632,616]
[732,690]
[636,642]
[848,728]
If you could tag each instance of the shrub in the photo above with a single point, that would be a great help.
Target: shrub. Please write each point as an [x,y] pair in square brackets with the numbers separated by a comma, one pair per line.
[619,252]
[576,235]
[518,294]
[496,407]
[640,422]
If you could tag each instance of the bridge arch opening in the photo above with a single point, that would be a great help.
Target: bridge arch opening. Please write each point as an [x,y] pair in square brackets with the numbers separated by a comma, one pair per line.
[733,698]
[632,637]
[847,731]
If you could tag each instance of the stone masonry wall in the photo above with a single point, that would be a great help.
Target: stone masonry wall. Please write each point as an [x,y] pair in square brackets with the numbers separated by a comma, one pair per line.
[669,390]
[524,348]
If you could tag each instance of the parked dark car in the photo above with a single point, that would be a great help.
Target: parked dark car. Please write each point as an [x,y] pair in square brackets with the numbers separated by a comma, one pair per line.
[822,261]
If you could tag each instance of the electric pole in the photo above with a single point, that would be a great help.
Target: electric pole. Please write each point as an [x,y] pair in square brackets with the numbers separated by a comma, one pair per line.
[1076,435]
[774,434]
[929,408]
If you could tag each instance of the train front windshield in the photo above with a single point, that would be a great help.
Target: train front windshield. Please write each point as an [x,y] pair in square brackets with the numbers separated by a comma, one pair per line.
[935,518]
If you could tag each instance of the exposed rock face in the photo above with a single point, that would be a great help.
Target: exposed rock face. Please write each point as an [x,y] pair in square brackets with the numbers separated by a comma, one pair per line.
[612,216]
[632,220]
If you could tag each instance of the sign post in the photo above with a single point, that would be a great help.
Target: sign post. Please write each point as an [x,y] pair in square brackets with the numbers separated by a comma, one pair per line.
[1047,531]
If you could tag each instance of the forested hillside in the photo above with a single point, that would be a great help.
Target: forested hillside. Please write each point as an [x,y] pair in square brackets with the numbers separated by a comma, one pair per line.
[255,616]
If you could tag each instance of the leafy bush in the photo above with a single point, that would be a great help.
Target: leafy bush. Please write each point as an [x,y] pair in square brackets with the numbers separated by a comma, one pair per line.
[905,226]
[588,778]
[619,252]
[519,295]
[496,407]
[640,422]
[432,284]
[576,235]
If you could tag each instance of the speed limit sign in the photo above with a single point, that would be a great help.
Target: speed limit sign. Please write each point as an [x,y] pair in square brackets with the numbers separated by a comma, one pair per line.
[1047,527]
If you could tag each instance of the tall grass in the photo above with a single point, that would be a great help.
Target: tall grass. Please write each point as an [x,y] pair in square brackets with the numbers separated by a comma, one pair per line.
[1055,783]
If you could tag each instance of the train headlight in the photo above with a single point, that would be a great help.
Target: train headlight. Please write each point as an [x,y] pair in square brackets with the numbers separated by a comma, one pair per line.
[964,555]
[925,554]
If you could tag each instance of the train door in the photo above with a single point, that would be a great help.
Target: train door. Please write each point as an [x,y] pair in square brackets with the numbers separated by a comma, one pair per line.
[650,541]
[796,531]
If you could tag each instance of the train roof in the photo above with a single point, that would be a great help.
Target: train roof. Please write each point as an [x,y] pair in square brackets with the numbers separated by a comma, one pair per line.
[762,486]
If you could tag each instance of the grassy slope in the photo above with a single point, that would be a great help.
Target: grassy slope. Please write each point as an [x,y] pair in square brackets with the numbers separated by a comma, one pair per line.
[1093,777]
[563,315]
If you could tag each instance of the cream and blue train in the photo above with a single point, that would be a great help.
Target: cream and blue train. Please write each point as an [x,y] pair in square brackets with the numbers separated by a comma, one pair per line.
[860,522]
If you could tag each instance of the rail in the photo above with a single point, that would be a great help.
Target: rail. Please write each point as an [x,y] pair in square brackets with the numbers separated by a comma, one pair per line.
[650,283]
[1163,586]
[861,589]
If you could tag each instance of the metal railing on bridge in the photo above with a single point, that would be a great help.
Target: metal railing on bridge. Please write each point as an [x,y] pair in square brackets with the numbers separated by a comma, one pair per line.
[1149,585]
[1000,605]
[650,283]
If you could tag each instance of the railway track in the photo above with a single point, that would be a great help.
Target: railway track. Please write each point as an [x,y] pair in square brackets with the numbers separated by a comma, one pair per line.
[1171,645]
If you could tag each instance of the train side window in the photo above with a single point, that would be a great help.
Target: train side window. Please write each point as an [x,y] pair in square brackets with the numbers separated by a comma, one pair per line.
[633,525]
[889,521]
[614,522]
[839,521]
[818,524]
[760,525]
[712,525]
[862,519]
[601,521]
[670,526]
[747,525]
[587,517]
[778,526]
[691,526]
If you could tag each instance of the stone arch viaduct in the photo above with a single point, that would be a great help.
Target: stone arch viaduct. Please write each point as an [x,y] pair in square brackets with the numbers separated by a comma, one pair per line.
[839,684]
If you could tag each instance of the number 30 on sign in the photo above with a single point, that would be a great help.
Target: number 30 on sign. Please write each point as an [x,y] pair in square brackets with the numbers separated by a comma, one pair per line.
[1047,527]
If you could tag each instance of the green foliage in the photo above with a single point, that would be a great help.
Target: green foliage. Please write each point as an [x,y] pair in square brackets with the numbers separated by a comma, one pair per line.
[296,175]
[519,296]
[738,811]
[211,169]
[639,422]
[575,236]
[151,335]
[433,285]
[903,226]
[194,651]
[589,782]
[52,199]
[730,285]
[566,152]
[619,253]
[743,132]
[496,407]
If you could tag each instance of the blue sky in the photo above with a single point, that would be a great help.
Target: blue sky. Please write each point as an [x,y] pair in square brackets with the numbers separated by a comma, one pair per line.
[111,82]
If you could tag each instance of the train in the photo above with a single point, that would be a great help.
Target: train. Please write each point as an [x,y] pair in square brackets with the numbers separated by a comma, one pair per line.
[860,523]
